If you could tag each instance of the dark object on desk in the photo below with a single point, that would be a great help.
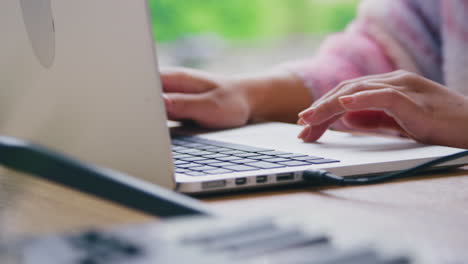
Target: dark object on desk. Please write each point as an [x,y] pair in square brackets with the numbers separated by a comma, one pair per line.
[104,183]
[197,241]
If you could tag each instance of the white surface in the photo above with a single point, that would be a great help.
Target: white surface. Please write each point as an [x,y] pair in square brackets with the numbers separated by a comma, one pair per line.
[359,154]
[100,101]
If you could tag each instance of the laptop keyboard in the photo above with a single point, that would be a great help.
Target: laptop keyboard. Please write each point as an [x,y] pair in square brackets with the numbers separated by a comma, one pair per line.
[194,156]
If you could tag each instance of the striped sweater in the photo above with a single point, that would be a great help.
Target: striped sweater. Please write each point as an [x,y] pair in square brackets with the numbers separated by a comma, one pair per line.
[428,37]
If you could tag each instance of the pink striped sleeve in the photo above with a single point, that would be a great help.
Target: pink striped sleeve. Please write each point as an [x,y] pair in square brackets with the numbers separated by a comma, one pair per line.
[343,56]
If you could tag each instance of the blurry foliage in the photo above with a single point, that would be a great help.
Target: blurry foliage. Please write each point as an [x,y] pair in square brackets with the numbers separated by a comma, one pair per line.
[249,19]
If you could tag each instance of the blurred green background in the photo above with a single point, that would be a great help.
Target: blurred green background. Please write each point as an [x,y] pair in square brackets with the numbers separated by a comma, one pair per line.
[248,19]
[243,36]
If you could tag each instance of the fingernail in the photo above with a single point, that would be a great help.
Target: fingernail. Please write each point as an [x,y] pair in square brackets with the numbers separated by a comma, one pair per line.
[349,99]
[301,122]
[304,132]
[307,113]
[167,102]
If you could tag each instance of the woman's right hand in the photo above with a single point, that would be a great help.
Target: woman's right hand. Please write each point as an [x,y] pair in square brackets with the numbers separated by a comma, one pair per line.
[399,101]
[216,101]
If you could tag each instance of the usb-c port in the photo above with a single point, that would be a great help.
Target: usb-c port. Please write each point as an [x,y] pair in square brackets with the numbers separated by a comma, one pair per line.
[262,179]
[241,181]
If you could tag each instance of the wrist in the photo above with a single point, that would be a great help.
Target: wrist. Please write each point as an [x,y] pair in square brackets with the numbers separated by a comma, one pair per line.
[276,95]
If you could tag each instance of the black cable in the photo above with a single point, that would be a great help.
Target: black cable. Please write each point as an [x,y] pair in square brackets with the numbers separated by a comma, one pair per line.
[327,178]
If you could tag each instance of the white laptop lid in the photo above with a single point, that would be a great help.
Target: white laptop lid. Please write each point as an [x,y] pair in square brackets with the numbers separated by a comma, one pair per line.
[80,76]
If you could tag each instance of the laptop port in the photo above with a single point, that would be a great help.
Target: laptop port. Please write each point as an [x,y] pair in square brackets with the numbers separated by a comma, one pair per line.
[214,184]
[241,181]
[285,177]
[262,179]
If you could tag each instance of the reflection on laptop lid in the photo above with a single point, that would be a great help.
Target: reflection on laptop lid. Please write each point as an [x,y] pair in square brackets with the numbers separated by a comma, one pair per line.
[82,80]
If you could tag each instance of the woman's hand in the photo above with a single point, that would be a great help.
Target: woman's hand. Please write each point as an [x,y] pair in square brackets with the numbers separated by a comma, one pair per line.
[399,101]
[210,101]
[215,101]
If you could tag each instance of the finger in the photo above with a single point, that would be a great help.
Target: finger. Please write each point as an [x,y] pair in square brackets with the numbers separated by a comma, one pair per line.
[188,106]
[178,80]
[370,120]
[305,131]
[394,103]
[314,133]
[301,122]
[333,106]
[392,78]
[167,102]
[344,89]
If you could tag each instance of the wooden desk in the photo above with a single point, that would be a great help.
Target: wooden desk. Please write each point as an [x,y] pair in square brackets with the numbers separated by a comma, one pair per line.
[435,204]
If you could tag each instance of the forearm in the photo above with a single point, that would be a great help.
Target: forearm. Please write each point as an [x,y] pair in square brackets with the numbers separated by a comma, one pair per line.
[281,93]
[276,95]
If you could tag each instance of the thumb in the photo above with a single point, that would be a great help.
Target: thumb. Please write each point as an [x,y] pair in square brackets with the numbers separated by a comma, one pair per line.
[179,80]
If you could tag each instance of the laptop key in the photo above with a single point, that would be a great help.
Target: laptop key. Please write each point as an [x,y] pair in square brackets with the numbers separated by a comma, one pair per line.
[292,155]
[208,148]
[244,161]
[189,165]
[275,153]
[229,158]
[306,158]
[208,161]
[216,156]
[241,168]
[322,161]
[219,150]
[186,151]
[193,159]
[274,160]
[194,145]
[234,152]
[200,153]
[194,173]
[295,163]
[175,148]
[180,162]
[266,165]
[245,148]
[222,164]
[229,145]
[203,168]
[247,155]
[263,157]
[180,156]
[218,171]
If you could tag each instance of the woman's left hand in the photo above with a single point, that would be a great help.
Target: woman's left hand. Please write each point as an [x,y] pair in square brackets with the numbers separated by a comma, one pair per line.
[398,101]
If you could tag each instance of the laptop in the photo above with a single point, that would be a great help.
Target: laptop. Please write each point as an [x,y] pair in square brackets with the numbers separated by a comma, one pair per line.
[81,77]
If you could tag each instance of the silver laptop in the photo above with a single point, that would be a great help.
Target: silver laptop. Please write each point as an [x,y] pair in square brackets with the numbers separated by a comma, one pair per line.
[81,77]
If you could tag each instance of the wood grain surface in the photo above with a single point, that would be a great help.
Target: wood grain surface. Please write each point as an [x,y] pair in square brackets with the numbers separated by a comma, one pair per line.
[434,207]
